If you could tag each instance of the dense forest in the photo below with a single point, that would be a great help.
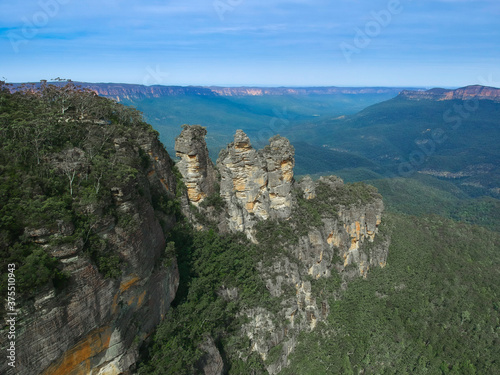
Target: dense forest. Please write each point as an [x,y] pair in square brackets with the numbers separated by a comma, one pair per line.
[435,308]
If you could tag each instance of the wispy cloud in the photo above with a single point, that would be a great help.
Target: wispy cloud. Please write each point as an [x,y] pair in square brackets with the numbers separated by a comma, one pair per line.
[241,29]
[259,40]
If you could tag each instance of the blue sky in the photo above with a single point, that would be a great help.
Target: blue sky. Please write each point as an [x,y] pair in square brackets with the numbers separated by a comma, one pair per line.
[447,43]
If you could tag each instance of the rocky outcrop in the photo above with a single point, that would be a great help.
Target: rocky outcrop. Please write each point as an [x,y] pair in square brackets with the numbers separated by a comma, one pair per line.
[345,244]
[343,237]
[255,184]
[197,170]
[95,324]
[308,188]
[465,93]
[211,362]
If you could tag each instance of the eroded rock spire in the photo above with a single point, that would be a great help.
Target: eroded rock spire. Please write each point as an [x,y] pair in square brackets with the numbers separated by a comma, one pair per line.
[195,165]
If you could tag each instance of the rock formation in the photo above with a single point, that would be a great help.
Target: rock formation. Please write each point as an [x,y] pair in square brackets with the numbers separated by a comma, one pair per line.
[195,165]
[112,275]
[256,185]
[307,185]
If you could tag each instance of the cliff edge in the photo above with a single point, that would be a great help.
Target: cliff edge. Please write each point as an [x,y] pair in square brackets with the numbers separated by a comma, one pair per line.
[464,93]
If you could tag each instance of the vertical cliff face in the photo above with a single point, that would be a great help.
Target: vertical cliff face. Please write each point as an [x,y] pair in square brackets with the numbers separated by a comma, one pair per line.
[255,184]
[95,324]
[195,165]
[345,235]
[279,161]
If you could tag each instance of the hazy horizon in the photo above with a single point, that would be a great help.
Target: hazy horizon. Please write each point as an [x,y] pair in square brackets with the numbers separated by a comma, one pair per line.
[237,85]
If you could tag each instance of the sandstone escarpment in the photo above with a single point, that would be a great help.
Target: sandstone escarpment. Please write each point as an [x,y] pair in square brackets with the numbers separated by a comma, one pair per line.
[120,91]
[465,93]
[123,91]
[255,184]
[195,165]
[95,324]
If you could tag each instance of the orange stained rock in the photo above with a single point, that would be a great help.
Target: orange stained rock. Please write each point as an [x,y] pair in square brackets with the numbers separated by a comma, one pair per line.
[261,181]
[287,169]
[194,194]
[333,240]
[126,284]
[354,244]
[239,184]
[151,173]
[114,306]
[241,146]
[330,238]
[140,299]
[77,360]
[164,183]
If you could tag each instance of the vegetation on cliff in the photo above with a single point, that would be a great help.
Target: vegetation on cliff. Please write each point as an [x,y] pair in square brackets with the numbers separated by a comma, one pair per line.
[59,174]
[222,276]
[210,265]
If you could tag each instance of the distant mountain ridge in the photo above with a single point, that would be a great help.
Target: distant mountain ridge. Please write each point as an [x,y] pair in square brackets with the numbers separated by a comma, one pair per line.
[463,93]
[121,91]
